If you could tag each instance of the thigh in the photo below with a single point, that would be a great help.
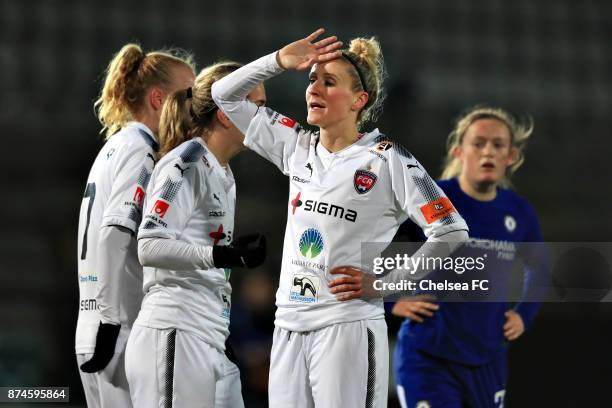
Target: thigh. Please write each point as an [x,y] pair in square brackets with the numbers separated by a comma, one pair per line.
[424,381]
[170,367]
[288,381]
[349,365]
[228,392]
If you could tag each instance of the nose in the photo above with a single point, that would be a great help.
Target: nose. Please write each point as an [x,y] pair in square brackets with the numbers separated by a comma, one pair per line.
[313,88]
[488,150]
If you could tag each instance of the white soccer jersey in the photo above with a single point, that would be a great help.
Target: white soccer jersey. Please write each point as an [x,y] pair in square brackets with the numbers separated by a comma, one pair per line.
[113,196]
[191,198]
[337,201]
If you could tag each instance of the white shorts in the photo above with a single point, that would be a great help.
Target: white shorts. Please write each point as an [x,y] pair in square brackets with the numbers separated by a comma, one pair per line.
[107,388]
[175,368]
[342,365]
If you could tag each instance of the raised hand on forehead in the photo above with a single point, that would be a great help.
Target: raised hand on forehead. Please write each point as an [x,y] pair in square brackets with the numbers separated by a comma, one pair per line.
[304,53]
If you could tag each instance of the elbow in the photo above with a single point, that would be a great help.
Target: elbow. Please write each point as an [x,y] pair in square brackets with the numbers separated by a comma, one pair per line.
[144,252]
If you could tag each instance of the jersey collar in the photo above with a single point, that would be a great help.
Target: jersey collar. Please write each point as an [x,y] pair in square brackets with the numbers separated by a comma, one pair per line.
[365,140]
[226,175]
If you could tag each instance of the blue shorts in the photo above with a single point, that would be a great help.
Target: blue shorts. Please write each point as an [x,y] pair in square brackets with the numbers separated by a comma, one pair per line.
[425,381]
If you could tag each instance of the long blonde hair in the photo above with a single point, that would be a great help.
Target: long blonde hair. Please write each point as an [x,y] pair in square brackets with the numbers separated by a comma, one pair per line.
[128,77]
[368,74]
[189,112]
[519,134]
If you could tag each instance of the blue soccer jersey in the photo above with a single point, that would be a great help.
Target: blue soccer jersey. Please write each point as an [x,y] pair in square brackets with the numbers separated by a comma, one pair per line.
[471,333]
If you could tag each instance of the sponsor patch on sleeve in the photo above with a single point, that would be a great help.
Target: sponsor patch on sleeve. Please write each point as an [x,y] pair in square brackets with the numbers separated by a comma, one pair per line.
[434,210]
[290,123]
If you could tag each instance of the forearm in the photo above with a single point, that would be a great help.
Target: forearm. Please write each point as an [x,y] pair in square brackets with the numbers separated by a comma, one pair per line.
[114,247]
[173,254]
[230,92]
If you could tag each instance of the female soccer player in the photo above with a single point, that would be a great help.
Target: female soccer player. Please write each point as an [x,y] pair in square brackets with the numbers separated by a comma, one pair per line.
[110,276]
[346,188]
[453,354]
[175,353]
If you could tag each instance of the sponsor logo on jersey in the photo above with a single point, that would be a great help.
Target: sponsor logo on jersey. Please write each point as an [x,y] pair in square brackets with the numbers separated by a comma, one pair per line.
[216,213]
[290,123]
[139,196]
[206,162]
[300,180]
[364,181]
[413,166]
[182,170]
[322,207]
[217,235]
[227,304]
[216,197]
[88,304]
[110,153]
[311,243]
[88,278]
[160,208]
[309,167]
[434,210]
[380,156]
[510,223]
[384,145]
[304,288]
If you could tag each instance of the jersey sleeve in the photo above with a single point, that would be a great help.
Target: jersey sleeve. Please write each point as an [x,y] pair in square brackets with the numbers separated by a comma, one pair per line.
[268,133]
[536,278]
[171,199]
[131,174]
[274,137]
[420,198]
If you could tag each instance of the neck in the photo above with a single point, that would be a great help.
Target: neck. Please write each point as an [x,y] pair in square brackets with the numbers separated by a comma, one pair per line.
[149,120]
[218,145]
[478,191]
[338,136]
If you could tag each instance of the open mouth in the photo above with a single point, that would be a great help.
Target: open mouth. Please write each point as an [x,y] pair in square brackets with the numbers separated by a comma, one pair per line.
[490,166]
[315,106]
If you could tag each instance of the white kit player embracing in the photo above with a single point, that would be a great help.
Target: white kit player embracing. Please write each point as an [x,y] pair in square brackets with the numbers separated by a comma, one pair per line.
[330,342]
[175,354]
[110,276]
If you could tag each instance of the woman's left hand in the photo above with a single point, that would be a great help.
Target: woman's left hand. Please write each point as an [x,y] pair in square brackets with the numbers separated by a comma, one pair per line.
[514,327]
[355,285]
[304,53]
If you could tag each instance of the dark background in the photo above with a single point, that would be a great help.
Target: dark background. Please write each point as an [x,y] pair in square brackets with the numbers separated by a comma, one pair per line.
[549,59]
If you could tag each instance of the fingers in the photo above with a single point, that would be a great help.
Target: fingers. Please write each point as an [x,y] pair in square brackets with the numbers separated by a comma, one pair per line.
[315,34]
[329,56]
[326,41]
[350,295]
[345,270]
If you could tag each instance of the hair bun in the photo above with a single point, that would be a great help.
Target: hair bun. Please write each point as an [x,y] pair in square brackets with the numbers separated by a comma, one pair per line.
[367,49]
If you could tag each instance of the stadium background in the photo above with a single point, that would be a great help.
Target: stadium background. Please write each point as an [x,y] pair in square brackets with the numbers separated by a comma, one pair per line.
[550,59]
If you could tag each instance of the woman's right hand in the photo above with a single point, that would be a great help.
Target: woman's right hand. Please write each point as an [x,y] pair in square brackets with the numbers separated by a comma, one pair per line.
[414,309]
[304,53]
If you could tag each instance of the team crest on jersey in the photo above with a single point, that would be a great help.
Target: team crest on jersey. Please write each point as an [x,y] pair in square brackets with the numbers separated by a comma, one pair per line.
[364,181]
[304,288]
[160,208]
[510,223]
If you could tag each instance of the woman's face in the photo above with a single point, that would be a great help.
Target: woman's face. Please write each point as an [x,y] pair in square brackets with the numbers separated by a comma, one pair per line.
[329,97]
[485,152]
